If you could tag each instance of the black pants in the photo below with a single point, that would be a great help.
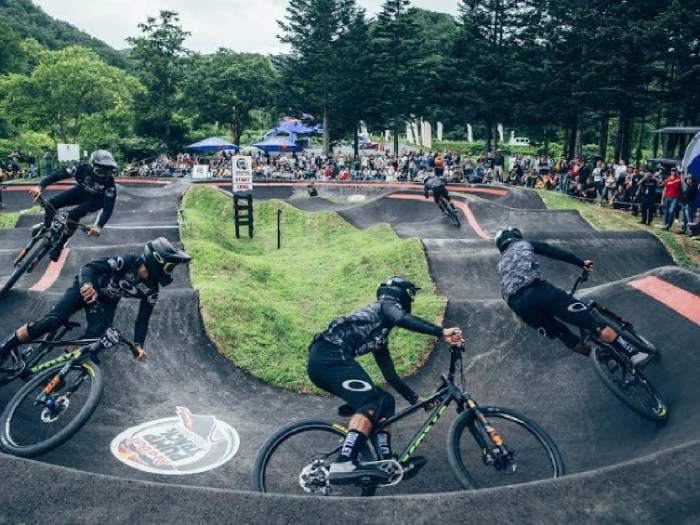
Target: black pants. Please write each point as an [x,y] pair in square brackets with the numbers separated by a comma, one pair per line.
[544,306]
[330,369]
[86,203]
[648,210]
[99,315]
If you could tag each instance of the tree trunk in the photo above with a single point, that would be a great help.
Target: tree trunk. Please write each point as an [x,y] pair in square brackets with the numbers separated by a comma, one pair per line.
[618,138]
[640,141]
[571,143]
[657,125]
[603,137]
[489,131]
[356,141]
[395,131]
[326,136]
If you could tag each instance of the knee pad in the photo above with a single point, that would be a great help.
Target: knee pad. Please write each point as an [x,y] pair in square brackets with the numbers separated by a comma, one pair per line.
[380,406]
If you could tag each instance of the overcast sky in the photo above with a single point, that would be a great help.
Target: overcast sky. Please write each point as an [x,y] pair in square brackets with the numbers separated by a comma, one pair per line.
[242,25]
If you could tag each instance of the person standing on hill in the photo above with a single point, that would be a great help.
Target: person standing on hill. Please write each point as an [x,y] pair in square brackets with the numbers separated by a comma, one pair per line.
[673,187]
[646,192]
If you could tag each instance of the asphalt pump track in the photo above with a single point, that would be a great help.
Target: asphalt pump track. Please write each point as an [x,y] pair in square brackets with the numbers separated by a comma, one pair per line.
[620,467]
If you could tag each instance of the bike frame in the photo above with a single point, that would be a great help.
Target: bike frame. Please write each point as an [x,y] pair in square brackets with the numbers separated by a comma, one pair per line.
[449,392]
[89,348]
[58,224]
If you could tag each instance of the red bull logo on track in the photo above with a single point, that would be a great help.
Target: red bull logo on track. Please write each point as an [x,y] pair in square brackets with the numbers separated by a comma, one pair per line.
[185,444]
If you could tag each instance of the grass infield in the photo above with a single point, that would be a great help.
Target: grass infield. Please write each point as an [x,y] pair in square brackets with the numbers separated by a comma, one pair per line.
[261,306]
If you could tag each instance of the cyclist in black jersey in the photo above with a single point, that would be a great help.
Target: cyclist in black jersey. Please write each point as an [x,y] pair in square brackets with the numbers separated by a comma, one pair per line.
[333,368]
[541,304]
[98,288]
[436,185]
[95,190]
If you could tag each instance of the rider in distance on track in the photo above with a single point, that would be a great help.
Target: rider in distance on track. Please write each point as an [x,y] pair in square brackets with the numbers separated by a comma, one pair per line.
[98,288]
[435,184]
[333,368]
[542,305]
[95,190]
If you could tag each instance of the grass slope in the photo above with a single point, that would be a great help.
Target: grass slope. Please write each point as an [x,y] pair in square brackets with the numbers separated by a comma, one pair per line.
[262,306]
[9,219]
[684,250]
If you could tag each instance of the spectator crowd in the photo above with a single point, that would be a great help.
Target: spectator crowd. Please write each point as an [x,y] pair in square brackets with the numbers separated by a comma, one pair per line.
[641,190]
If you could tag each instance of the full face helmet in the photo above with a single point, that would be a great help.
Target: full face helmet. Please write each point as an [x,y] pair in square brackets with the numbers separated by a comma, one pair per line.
[506,236]
[398,289]
[161,258]
[103,163]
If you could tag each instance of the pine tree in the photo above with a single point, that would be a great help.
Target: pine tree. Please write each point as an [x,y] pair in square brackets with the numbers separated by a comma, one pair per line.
[397,50]
[158,53]
[313,29]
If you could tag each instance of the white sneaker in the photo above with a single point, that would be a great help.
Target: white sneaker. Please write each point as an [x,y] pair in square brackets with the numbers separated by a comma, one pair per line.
[640,358]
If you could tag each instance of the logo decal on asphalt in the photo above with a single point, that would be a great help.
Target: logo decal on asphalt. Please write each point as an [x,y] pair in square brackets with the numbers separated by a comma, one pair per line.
[185,444]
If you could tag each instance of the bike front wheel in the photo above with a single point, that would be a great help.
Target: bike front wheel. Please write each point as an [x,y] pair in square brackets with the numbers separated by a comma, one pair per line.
[38,250]
[535,455]
[29,429]
[629,385]
[292,461]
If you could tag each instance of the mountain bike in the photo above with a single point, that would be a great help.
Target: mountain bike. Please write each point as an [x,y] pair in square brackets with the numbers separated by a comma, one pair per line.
[626,381]
[43,240]
[59,399]
[486,446]
[24,361]
[449,210]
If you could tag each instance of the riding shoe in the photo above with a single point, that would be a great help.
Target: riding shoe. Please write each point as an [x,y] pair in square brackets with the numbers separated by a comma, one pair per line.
[348,472]
[640,359]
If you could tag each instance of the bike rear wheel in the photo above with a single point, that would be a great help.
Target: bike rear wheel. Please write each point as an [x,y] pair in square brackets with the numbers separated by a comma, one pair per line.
[38,250]
[284,456]
[29,430]
[536,455]
[627,384]
[451,214]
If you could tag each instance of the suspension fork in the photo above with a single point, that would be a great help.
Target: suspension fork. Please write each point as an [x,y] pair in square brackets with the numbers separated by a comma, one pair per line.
[494,436]
[44,397]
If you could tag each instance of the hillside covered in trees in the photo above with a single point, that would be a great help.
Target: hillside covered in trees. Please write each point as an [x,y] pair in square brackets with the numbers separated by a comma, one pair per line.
[590,77]
[27,20]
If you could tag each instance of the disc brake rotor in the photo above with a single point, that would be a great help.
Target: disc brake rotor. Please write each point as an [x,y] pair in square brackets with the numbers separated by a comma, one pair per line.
[49,416]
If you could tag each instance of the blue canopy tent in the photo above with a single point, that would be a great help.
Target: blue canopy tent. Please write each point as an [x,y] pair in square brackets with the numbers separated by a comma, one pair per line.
[211,145]
[278,144]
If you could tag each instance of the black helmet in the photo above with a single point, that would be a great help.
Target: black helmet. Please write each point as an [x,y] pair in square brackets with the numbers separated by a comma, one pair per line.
[103,162]
[161,258]
[398,289]
[506,236]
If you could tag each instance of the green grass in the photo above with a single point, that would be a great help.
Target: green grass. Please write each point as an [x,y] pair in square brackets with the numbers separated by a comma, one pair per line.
[684,250]
[9,219]
[261,306]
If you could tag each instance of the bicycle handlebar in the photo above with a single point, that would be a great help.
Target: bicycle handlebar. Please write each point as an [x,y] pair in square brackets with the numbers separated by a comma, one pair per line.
[47,205]
[579,280]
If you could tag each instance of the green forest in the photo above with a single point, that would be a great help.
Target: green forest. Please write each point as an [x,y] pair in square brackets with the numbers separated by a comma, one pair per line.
[584,76]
